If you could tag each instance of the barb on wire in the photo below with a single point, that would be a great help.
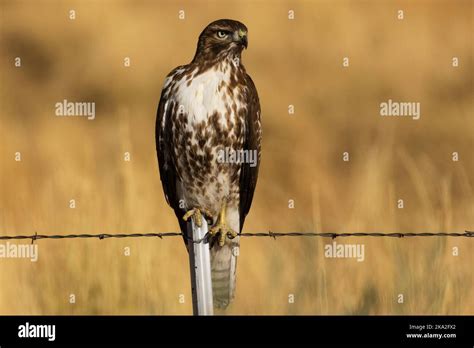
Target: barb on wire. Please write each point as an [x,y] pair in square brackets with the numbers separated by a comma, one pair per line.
[270,234]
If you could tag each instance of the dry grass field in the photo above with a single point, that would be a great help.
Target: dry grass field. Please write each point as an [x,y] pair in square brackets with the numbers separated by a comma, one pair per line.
[297,62]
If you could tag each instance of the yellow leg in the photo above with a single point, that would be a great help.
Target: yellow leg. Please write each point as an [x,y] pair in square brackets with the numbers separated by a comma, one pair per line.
[197,214]
[221,228]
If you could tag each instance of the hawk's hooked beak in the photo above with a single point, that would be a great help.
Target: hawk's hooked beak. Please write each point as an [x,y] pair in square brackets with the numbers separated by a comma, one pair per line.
[240,36]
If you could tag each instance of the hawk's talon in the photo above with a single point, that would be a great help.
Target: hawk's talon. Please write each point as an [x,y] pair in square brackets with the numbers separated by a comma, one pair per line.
[223,231]
[231,234]
[197,214]
[221,228]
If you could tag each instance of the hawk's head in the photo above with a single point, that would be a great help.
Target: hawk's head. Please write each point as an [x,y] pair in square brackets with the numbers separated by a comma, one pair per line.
[222,38]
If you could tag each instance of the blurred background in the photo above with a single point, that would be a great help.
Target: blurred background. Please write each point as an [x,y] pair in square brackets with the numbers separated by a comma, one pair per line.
[293,62]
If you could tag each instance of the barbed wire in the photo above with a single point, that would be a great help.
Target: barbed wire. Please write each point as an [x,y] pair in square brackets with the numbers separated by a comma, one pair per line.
[270,234]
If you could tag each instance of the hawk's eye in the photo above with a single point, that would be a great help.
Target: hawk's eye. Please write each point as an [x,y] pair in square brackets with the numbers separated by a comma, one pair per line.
[221,34]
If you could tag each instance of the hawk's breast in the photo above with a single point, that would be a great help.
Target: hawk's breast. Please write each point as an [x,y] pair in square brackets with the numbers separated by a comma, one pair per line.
[208,117]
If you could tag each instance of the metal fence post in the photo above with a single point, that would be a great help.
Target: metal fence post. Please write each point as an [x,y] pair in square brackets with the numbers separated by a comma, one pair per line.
[200,267]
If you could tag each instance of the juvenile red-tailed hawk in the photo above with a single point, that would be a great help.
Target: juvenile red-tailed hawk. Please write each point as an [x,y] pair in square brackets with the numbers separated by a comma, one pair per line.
[208,136]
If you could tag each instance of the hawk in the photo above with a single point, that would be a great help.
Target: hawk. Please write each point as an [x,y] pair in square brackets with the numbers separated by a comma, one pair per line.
[207,128]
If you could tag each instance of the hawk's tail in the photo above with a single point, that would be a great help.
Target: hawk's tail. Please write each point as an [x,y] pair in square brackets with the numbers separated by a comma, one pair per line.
[223,272]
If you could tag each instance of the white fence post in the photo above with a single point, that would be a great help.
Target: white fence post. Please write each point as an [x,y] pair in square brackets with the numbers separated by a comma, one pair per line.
[200,267]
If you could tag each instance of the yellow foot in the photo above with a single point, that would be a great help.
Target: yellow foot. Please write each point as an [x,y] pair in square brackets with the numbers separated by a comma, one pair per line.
[197,214]
[221,228]
[224,231]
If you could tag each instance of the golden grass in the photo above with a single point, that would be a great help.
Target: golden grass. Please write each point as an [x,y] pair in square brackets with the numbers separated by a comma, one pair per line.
[292,62]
